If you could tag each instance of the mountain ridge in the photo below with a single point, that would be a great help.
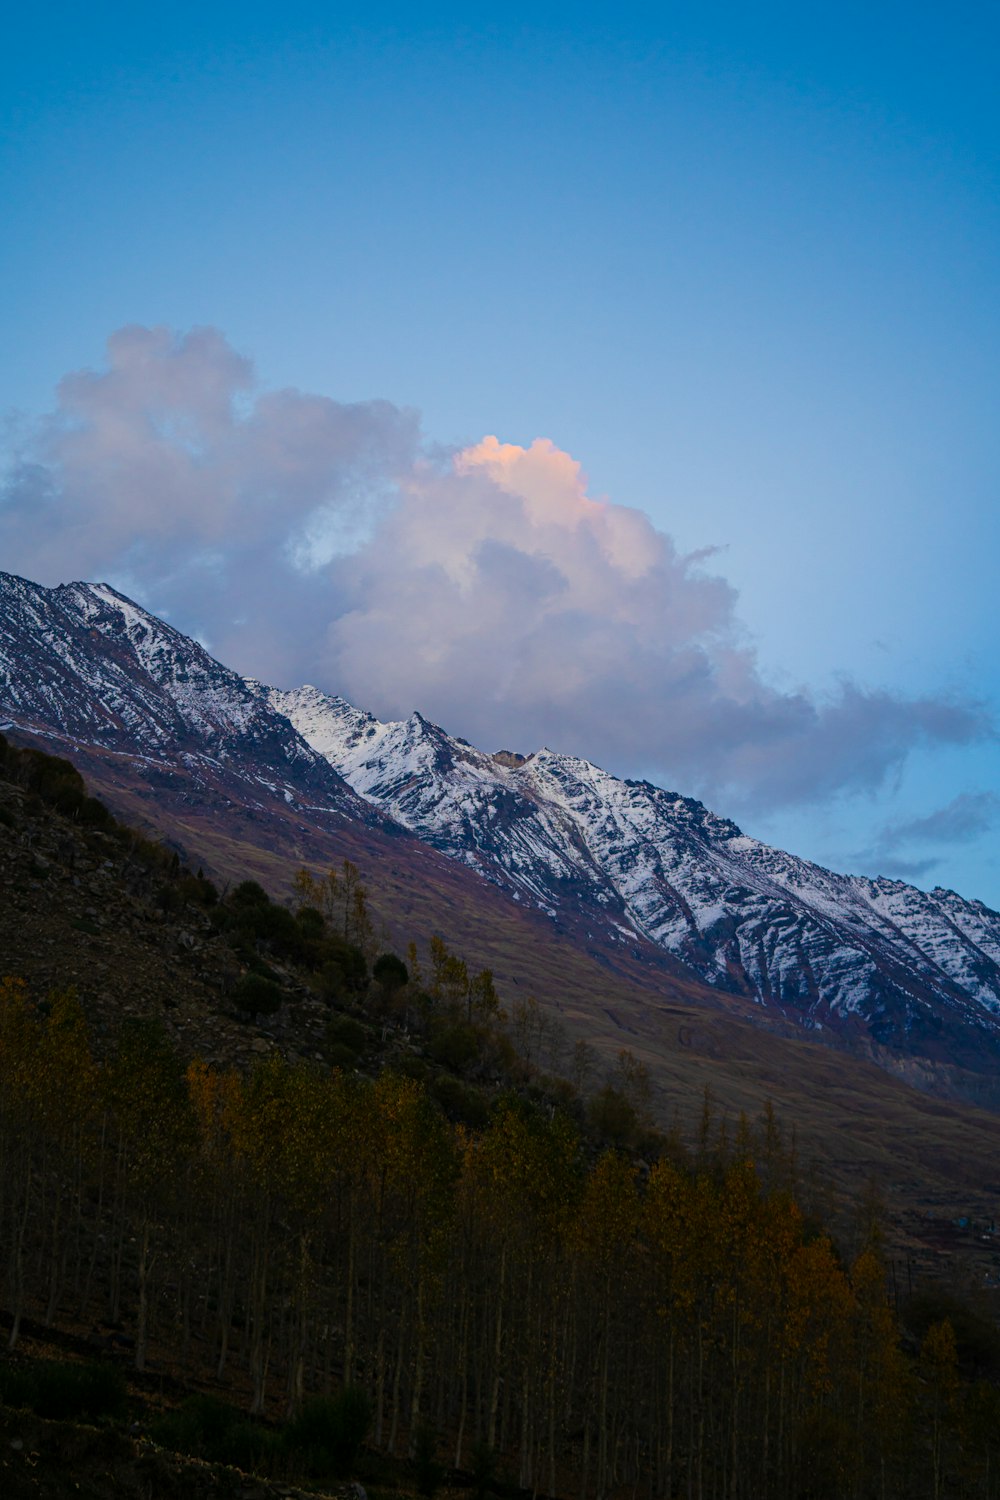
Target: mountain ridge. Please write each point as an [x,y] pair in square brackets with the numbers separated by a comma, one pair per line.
[669,870]
[643,880]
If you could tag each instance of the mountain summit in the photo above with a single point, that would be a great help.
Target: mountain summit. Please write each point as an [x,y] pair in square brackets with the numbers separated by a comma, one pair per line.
[86,663]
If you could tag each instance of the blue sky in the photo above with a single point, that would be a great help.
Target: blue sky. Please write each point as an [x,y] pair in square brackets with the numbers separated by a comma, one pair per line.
[739,263]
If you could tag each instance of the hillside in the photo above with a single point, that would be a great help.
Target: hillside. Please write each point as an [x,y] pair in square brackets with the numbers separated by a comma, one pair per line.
[82,906]
[255,1154]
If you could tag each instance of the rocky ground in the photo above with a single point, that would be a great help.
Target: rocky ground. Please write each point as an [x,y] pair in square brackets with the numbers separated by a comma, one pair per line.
[43,1460]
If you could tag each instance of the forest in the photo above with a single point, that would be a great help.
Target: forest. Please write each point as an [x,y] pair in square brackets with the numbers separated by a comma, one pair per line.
[523,1286]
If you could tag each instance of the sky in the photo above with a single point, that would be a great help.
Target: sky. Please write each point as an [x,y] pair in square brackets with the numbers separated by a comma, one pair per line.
[619,378]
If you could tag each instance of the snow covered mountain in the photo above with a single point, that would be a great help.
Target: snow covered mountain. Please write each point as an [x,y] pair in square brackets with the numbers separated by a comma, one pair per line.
[641,863]
[624,869]
[85,662]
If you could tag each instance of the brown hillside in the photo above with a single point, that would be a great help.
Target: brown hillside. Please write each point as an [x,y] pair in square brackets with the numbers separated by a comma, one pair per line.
[70,913]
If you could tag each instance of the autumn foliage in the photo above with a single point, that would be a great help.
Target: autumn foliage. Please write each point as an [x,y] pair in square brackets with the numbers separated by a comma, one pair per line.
[299,1230]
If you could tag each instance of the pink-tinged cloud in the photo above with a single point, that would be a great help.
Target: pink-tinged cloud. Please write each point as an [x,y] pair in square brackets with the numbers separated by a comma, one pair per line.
[308,539]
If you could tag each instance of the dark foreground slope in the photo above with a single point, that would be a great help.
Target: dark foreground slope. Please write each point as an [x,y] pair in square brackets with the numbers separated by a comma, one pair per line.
[382,1195]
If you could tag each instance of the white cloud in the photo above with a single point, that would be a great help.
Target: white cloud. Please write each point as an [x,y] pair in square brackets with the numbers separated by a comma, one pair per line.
[310,539]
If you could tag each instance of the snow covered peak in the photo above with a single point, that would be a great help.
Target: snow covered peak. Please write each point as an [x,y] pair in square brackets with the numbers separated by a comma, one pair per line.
[651,866]
[85,661]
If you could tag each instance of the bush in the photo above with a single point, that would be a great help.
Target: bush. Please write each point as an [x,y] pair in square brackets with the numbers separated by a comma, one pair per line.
[153,856]
[390,972]
[197,890]
[93,814]
[249,893]
[199,1426]
[337,1055]
[327,1434]
[310,936]
[976,1335]
[257,995]
[411,1066]
[462,1105]
[17,1387]
[343,972]
[205,1427]
[348,1033]
[455,1047]
[50,776]
[275,926]
[613,1117]
[67,797]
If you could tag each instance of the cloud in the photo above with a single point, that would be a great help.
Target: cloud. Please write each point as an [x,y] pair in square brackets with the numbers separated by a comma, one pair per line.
[308,539]
[534,612]
[961,821]
[964,819]
[910,870]
[170,474]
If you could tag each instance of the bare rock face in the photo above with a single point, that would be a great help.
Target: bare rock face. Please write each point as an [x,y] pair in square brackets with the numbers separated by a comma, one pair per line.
[510,759]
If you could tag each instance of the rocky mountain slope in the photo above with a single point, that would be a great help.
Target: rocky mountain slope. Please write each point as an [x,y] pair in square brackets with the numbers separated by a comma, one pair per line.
[914,968]
[84,661]
[623,871]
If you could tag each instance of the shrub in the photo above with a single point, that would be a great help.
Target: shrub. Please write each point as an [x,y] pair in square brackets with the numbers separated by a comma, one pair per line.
[67,797]
[93,814]
[976,1335]
[17,1387]
[205,1427]
[197,890]
[312,923]
[327,1434]
[257,995]
[463,1105]
[343,971]
[613,1117]
[455,1047]
[275,926]
[348,1032]
[339,1056]
[331,982]
[50,776]
[390,972]
[249,893]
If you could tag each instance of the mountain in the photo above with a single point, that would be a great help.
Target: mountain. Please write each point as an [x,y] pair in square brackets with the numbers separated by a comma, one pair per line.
[181,746]
[610,888]
[85,662]
[918,970]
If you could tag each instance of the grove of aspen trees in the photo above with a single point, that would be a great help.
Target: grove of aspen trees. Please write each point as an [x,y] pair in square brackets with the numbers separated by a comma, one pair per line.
[676,1330]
